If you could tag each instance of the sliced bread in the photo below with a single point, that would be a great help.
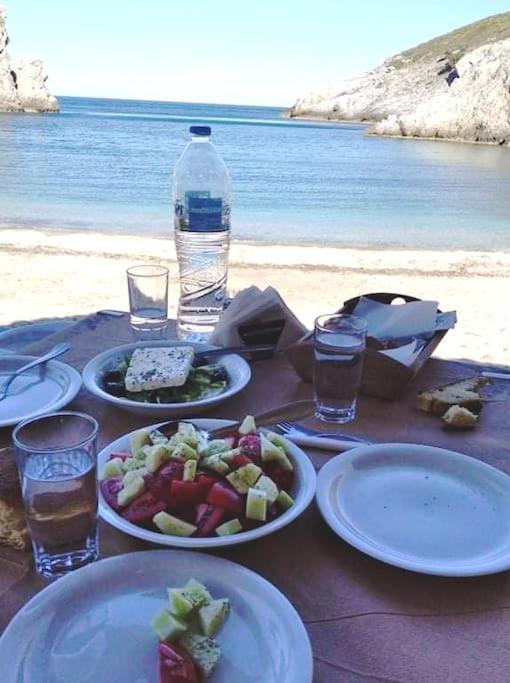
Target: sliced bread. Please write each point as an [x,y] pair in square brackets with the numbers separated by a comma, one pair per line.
[464,394]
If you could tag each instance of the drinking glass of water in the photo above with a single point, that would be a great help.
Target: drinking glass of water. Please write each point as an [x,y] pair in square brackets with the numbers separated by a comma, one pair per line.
[148,300]
[339,347]
[56,459]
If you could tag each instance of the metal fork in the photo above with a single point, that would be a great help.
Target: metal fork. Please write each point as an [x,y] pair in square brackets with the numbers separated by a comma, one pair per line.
[57,350]
[288,427]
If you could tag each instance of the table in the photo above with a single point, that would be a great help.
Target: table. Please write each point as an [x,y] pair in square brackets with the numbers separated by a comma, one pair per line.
[367,621]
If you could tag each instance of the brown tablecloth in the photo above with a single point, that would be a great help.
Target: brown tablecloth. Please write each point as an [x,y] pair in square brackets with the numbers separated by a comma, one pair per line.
[367,621]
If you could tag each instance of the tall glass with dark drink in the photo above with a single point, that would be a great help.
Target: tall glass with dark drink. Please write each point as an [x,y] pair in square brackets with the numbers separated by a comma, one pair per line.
[339,347]
[56,458]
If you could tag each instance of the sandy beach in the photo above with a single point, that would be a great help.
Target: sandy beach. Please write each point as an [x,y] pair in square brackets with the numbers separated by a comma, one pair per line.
[57,274]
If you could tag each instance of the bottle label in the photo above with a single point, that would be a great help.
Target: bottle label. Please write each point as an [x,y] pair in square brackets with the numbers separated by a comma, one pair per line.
[204,212]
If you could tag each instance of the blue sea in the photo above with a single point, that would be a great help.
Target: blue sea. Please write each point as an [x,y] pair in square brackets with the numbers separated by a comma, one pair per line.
[106,165]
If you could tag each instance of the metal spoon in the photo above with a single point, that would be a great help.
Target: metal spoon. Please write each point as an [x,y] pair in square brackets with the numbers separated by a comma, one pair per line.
[57,350]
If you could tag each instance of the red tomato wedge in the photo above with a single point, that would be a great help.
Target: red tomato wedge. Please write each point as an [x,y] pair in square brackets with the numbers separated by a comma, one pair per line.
[225,497]
[160,482]
[175,665]
[239,461]
[186,493]
[122,455]
[208,518]
[110,488]
[143,508]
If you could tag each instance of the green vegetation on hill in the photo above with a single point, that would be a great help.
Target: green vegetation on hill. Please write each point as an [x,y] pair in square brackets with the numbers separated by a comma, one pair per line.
[455,44]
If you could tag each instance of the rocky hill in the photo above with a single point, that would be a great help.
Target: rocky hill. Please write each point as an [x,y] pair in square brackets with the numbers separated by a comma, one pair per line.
[456,86]
[23,89]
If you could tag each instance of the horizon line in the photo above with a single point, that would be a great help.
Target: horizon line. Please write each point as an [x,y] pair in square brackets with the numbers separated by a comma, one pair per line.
[140,99]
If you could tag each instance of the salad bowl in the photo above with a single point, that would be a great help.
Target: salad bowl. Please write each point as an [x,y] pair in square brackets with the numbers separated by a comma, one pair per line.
[237,371]
[302,490]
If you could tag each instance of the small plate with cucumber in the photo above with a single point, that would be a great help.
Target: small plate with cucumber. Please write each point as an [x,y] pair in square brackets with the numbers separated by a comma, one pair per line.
[162,379]
[158,616]
[186,490]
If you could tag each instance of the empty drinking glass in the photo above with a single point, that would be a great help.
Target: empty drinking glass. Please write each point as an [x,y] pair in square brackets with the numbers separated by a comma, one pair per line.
[148,300]
[56,458]
[339,349]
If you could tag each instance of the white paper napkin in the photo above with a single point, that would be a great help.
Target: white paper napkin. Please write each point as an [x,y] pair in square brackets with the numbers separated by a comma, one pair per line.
[254,306]
[388,321]
[322,443]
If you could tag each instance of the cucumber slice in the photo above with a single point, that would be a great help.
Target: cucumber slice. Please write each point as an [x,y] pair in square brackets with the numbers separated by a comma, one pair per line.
[184,452]
[138,440]
[233,526]
[157,437]
[216,446]
[132,464]
[271,452]
[284,500]
[127,494]
[156,456]
[197,593]
[267,485]
[133,474]
[188,433]
[228,456]
[247,426]
[256,505]
[112,468]
[278,440]
[244,477]
[167,626]
[215,463]
[212,616]
[172,526]
[180,604]
[204,651]
[190,469]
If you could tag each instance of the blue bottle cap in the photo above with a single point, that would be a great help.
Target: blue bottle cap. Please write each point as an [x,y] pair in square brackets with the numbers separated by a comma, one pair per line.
[200,130]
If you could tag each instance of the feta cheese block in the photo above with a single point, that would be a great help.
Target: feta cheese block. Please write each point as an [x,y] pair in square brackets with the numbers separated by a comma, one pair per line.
[157,368]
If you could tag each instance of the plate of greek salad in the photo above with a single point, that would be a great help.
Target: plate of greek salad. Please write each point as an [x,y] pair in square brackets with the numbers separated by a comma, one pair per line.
[188,490]
[165,379]
[158,616]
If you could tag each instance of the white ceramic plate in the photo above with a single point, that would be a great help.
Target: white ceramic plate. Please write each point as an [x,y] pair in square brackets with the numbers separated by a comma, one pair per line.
[302,492]
[425,509]
[37,391]
[14,338]
[237,368]
[93,625]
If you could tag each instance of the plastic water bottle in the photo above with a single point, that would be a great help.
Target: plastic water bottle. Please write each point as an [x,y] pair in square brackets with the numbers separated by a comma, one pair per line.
[201,194]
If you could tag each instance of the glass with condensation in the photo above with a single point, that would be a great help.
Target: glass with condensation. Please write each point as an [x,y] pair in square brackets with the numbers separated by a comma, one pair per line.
[56,459]
[339,349]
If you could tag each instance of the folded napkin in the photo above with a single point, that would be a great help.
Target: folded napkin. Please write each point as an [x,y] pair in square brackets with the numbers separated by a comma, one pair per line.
[322,443]
[257,317]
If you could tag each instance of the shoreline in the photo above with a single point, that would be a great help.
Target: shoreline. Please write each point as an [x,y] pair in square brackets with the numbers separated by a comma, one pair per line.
[22,236]
[64,274]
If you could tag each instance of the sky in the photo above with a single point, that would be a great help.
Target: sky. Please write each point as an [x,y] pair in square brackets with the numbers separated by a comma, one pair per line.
[266,52]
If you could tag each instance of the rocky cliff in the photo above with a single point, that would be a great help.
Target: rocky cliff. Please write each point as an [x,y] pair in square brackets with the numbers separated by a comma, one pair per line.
[23,89]
[455,87]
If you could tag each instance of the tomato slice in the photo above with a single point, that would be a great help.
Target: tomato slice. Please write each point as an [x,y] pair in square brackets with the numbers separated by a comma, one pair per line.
[282,478]
[175,665]
[110,488]
[208,518]
[122,455]
[225,497]
[143,508]
[206,481]
[186,493]
[240,460]
[159,483]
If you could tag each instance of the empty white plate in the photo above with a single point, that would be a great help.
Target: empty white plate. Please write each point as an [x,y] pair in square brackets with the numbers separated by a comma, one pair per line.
[93,626]
[418,507]
[43,389]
